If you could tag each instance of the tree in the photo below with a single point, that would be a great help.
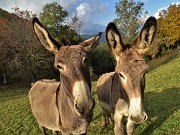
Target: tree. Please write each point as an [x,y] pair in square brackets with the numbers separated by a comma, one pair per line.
[53,16]
[25,14]
[76,24]
[129,18]
[101,60]
[170,25]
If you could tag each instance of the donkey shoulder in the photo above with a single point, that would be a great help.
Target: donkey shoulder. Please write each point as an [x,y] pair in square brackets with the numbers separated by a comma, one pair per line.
[105,79]
[44,86]
[43,99]
[104,85]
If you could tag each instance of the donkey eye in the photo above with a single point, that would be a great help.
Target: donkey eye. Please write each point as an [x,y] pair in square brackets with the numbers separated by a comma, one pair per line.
[60,68]
[121,76]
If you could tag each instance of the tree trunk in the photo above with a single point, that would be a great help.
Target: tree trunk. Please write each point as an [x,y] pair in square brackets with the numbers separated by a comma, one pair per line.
[172,52]
[4,74]
[33,77]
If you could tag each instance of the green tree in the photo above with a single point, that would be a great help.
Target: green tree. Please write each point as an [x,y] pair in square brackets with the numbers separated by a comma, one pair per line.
[101,60]
[129,18]
[53,16]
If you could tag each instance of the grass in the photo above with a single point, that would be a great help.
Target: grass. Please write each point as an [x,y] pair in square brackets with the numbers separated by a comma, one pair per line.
[162,104]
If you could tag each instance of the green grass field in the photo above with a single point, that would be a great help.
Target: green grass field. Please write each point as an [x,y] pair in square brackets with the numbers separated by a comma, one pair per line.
[162,104]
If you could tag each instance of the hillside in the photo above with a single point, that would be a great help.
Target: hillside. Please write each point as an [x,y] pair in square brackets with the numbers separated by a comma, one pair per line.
[20,51]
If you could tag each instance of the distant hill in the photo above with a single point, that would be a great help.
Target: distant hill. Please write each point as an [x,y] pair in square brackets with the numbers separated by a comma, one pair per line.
[90,30]
[102,39]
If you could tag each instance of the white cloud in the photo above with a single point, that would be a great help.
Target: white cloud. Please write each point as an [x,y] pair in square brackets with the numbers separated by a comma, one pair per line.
[68,4]
[164,8]
[177,3]
[156,15]
[83,9]
[92,11]
[34,5]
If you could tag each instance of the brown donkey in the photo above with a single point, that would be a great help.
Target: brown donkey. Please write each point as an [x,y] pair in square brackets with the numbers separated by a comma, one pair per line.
[65,106]
[121,93]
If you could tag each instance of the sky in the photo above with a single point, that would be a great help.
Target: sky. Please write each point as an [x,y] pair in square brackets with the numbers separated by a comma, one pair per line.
[89,11]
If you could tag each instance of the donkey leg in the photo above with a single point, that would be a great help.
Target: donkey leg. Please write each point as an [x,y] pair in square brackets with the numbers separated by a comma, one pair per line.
[110,119]
[104,118]
[83,134]
[66,133]
[55,132]
[42,129]
[129,127]
[118,126]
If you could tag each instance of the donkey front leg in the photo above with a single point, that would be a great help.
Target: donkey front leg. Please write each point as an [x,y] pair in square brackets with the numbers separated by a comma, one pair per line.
[129,126]
[110,118]
[83,134]
[55,132]
[65,133]
[118,126]
[42,129]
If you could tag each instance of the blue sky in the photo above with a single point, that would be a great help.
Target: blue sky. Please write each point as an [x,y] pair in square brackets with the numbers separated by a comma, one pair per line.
[90,11]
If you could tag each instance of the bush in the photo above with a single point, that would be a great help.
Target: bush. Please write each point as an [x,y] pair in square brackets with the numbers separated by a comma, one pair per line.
[101,60]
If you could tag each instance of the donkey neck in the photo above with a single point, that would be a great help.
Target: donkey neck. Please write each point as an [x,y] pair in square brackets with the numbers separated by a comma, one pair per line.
[117,91]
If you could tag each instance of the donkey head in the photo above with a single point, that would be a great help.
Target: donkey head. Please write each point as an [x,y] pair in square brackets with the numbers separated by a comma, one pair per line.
[72,62]
[130,65]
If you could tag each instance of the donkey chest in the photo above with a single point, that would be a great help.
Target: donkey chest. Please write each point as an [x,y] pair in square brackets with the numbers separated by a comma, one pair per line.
[121,107]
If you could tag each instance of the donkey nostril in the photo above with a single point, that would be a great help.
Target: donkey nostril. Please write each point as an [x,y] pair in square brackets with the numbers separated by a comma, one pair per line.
[131,118]
[145,118]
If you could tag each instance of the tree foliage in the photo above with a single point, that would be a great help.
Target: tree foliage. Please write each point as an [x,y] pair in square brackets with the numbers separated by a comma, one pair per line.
[167,34]
[54,17]
[170,27]
[25,14]
[129,18]
[101,60]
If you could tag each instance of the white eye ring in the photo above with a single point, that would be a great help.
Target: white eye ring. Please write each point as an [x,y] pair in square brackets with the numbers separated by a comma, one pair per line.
[61,67]
[121,76]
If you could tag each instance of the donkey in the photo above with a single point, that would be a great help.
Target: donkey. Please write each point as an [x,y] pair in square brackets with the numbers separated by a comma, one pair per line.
[121,92]
[65,106]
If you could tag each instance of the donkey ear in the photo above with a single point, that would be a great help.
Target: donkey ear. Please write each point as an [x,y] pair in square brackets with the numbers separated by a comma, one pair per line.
[146,36]
[91,43]
[114,40]
[44,37]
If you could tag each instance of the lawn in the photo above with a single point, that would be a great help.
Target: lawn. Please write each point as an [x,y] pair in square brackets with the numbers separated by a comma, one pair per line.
[162,104]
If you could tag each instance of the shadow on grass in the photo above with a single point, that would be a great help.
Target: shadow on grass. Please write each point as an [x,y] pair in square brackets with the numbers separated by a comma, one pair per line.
[161,105]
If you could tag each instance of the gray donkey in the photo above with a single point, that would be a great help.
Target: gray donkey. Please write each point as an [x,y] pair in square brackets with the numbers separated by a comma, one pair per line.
[121,92]
[65,106]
